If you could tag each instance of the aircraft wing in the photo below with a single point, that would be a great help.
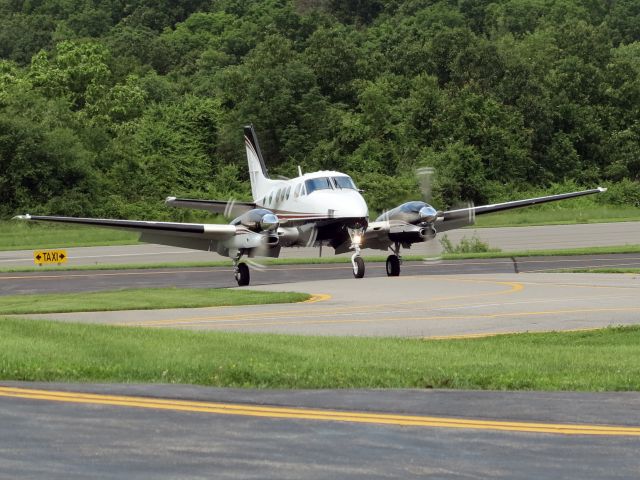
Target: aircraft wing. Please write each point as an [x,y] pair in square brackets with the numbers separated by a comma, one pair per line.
[229,208]
[199,236]
[463,217]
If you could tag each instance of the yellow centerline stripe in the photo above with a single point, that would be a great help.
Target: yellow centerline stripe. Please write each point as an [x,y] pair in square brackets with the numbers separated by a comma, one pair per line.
[317,414]
[403,319]
[514,287]
[464,336]
[318,297]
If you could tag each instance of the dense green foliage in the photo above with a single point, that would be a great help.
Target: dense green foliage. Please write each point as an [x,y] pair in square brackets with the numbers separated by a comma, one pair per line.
[107,107]
[36,350]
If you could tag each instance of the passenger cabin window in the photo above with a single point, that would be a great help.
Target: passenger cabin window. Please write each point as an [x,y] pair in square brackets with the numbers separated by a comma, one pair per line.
[296,192]
[344,182]
[288,192]
[317,184]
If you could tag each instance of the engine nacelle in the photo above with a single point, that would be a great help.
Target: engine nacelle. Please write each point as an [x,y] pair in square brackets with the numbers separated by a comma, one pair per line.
[411,212]
[252,240]
[258,220]
[407,233]
[288,235]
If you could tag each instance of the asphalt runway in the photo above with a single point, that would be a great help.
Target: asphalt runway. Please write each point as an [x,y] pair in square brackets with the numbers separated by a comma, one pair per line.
[60,431]
[51,281]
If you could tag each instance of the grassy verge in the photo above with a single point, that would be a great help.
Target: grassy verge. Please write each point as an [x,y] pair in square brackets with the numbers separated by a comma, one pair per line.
[557,214]
[34,350]
[141,299]
[17,235]
[601,270]
[338,260]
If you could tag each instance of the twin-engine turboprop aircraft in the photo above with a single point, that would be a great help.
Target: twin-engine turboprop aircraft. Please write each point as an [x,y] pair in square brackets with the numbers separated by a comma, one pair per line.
[319,208]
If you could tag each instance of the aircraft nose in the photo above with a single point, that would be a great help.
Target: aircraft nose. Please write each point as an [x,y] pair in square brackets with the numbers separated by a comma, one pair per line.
[353,206]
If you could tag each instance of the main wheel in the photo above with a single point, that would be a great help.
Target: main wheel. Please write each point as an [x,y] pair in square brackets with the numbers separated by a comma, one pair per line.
[242,275]
[393,266]
[358,269]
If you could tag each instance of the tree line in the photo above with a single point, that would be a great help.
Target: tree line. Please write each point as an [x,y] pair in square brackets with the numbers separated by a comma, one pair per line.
[106,106]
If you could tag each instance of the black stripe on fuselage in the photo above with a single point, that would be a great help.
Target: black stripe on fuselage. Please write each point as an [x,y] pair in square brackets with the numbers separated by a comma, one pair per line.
[251,139]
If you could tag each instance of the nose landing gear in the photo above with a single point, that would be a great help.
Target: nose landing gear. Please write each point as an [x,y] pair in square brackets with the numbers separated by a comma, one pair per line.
[356,260]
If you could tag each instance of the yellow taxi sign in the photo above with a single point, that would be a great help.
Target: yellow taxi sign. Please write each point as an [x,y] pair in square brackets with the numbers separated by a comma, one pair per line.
[49,256]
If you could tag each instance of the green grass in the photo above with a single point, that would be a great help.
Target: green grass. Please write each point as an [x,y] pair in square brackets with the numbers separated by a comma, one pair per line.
[547,253]
[601,270]
[20,235]
[35,350]
[557,214]
[141,299]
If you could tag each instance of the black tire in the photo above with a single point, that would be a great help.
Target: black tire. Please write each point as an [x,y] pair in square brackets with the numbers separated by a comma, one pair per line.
[242,275]
[393,266]
[358,271]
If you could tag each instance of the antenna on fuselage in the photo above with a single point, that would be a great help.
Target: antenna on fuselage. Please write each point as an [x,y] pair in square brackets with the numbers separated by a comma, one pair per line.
[299,171]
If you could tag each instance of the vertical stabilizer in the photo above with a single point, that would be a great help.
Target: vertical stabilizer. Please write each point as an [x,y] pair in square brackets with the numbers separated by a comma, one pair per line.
[257,169]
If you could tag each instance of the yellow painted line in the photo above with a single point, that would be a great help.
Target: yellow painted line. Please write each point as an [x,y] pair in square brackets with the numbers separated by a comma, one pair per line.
[409,319]
[464,336]
[318,414]
[513,288]
[318,297]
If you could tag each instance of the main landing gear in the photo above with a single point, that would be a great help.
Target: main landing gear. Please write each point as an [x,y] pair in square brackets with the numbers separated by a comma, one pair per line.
[394,261]
[241,272]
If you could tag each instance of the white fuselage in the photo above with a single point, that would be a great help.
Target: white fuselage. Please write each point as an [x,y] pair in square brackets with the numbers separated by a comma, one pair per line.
[317,195]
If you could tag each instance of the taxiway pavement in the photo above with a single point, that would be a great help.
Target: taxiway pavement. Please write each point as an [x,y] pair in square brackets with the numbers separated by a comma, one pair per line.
[51,281]
[63,431]
[413,305]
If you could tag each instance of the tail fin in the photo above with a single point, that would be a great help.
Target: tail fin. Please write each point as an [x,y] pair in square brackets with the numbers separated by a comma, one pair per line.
[257,169]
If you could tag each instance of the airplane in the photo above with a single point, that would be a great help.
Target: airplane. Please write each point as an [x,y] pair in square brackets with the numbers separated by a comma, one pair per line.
[313,209]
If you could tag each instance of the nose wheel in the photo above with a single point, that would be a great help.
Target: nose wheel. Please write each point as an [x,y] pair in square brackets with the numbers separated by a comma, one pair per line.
[356,260]
[358,266]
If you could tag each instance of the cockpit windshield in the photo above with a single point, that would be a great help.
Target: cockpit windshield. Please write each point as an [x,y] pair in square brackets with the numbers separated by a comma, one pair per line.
[317,184]
[344,182]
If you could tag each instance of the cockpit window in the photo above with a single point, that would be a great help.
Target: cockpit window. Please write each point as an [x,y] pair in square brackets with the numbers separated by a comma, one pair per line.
[317,184]
[344,182]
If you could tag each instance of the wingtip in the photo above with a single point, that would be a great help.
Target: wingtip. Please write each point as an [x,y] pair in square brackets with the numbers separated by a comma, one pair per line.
[22,217]
[602,189]
[169,199]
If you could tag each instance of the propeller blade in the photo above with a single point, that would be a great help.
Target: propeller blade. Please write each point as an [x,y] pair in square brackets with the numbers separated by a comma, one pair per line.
[425,182]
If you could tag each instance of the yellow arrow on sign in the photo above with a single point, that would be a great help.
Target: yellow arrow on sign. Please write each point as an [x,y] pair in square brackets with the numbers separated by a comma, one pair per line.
[41,257]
